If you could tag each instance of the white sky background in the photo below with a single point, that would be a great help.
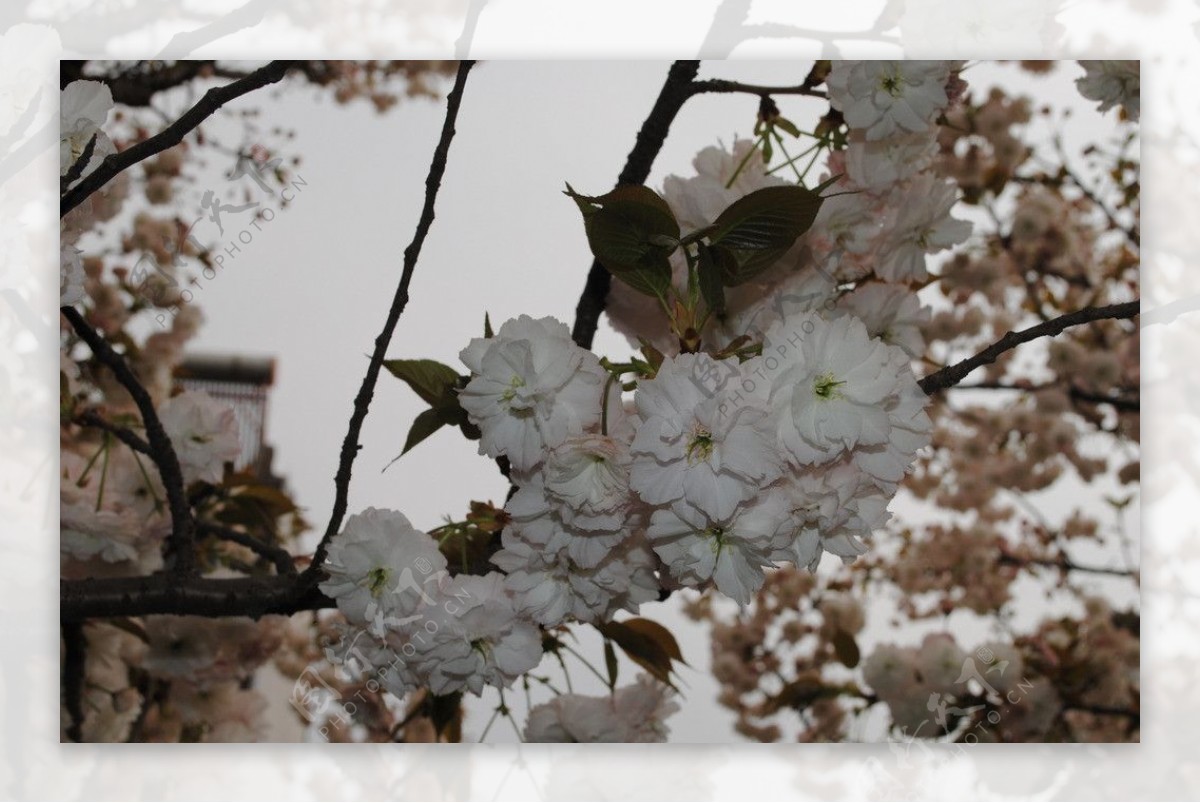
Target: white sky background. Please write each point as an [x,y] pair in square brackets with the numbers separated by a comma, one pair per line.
[313,287]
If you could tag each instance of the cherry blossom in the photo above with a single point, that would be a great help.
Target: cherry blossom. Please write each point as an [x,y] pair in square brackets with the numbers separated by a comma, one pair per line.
[888,97]
[531,386]
[379,567]
[701,441]
[204,433]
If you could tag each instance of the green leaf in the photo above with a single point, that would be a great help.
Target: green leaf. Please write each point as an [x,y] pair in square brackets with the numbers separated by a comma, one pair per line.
[738,267]
[846,649]
[759,228]
[788,126]
[709,275]
[610,662]
[647,643]
[424,425]
[432,381]
[487,326]
[632,233]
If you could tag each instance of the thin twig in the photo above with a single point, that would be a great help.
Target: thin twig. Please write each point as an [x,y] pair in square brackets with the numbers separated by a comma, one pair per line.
[650,138]
[172,135]
[953,374]
[362,401]
[178,555]
[281,558]
[90,418]
[717,85]
[1063,564]
[1126,403]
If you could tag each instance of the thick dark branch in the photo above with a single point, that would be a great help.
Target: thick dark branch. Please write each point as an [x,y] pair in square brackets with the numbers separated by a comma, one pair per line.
[73,674]
[179,555]
[362,402]
[953,374]
[675,92]
[281,558]
[100,598]
[90,418]
[136,87]
[173,134]
[1106,711]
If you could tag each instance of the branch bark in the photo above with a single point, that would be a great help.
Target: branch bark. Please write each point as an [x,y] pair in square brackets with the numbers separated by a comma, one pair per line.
[172,135]
[650,138]
[953,374]
[279,557]
[73,674]
[362,401]
[179,553]
[90,418]
[98,598]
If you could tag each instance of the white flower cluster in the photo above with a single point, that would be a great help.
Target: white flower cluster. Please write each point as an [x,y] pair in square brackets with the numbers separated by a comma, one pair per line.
[897,211]
[1113,83]
[632,714]
[571,549]
[722,470]
[414,624]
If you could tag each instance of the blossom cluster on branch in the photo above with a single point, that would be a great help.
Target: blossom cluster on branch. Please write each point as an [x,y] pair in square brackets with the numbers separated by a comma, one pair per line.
[783,304]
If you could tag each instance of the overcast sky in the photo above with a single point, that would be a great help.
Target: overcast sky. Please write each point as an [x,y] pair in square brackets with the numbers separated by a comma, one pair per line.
[313,285]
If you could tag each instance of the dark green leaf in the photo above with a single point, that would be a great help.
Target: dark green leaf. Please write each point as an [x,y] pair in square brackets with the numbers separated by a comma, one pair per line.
[736,267]
[788,126]
[425,424]
[431,380]
[647,643]
[757,229]
[846,649]
[487,326]
[709,276]
[610,663]
[631,232]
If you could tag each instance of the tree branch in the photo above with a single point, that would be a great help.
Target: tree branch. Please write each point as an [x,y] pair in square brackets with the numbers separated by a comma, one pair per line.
[73,674]
[107,597]
[675,92]
[953,374]
[90,418]
[362,402]
[76,170]
[179,554]
[717,85]
[1063,564]
[282,559]
[1128,403]
[172,135]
